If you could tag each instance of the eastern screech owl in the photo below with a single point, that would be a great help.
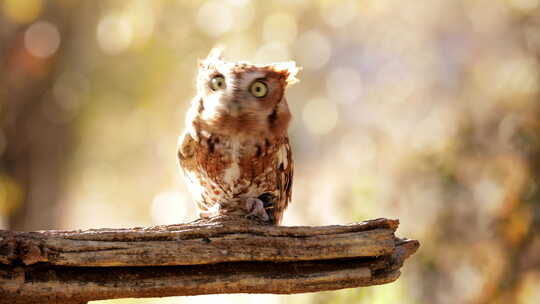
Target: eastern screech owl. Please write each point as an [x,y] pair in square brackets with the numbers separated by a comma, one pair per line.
[235,151]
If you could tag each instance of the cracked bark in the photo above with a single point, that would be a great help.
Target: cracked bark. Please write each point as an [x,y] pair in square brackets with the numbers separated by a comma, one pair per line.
[202,257]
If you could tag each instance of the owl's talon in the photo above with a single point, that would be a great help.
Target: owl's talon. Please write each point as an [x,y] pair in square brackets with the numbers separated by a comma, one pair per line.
[255,208]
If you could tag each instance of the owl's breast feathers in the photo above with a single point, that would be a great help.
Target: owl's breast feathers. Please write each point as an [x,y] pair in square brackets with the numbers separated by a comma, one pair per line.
[222,169]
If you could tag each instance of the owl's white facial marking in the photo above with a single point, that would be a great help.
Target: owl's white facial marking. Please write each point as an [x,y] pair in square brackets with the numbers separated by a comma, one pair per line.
[248,78]
[233,172]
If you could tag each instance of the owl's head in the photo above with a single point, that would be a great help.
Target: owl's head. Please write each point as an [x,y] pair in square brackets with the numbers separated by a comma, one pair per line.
[243,98]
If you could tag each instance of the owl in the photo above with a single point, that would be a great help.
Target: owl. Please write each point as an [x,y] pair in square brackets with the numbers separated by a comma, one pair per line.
[235,153]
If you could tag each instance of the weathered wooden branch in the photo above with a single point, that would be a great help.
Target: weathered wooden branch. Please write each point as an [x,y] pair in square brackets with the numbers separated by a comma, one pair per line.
[202,257]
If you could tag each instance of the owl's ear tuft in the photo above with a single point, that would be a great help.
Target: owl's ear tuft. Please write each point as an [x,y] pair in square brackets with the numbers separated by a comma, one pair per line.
[288,69]
[215,55]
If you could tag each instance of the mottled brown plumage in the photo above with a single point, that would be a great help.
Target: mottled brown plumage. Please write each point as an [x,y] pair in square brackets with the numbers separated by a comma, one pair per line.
[235,151]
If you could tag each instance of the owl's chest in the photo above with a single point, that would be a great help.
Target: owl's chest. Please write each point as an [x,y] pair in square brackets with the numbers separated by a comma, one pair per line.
[229,167]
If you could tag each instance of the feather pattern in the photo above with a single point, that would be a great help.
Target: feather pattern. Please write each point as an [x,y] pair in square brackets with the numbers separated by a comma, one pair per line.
[235,147]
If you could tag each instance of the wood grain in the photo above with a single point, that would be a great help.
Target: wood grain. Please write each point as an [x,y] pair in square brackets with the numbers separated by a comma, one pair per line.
[221,255]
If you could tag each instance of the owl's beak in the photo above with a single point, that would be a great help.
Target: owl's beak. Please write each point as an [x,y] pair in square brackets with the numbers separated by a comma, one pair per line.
[234,108]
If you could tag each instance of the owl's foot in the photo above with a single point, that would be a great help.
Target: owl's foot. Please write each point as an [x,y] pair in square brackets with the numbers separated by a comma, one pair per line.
[255,208]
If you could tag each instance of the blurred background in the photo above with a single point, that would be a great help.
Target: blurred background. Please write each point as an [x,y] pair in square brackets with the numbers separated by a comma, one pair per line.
[426,111]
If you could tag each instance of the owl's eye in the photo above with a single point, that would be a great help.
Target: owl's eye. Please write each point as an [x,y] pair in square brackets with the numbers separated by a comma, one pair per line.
[217,83]
[258,89]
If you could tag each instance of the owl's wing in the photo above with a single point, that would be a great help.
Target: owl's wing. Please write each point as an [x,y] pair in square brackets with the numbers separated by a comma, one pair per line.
[285,170]
[186,151]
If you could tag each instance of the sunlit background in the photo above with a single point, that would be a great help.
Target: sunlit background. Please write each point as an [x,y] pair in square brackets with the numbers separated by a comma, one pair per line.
[427,111]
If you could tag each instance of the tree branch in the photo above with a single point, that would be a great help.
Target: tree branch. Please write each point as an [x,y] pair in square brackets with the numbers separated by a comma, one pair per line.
[203,257]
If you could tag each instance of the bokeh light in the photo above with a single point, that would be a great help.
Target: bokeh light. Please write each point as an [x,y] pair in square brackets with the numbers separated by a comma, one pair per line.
[22,11]
[68,88]
[338,13]
[280,27]
[42,39]
[215,18]
[312,50]
[114,34]
[10,195]
[425,111]
[344,85]
[320,116]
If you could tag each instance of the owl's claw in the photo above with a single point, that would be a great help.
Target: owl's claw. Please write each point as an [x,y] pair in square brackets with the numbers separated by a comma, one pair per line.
[255,208]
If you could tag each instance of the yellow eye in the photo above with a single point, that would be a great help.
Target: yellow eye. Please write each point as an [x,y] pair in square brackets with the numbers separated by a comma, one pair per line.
[258,89]
[217,83]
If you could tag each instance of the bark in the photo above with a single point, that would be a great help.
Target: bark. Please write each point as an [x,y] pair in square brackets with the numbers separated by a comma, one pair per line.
[202,257]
